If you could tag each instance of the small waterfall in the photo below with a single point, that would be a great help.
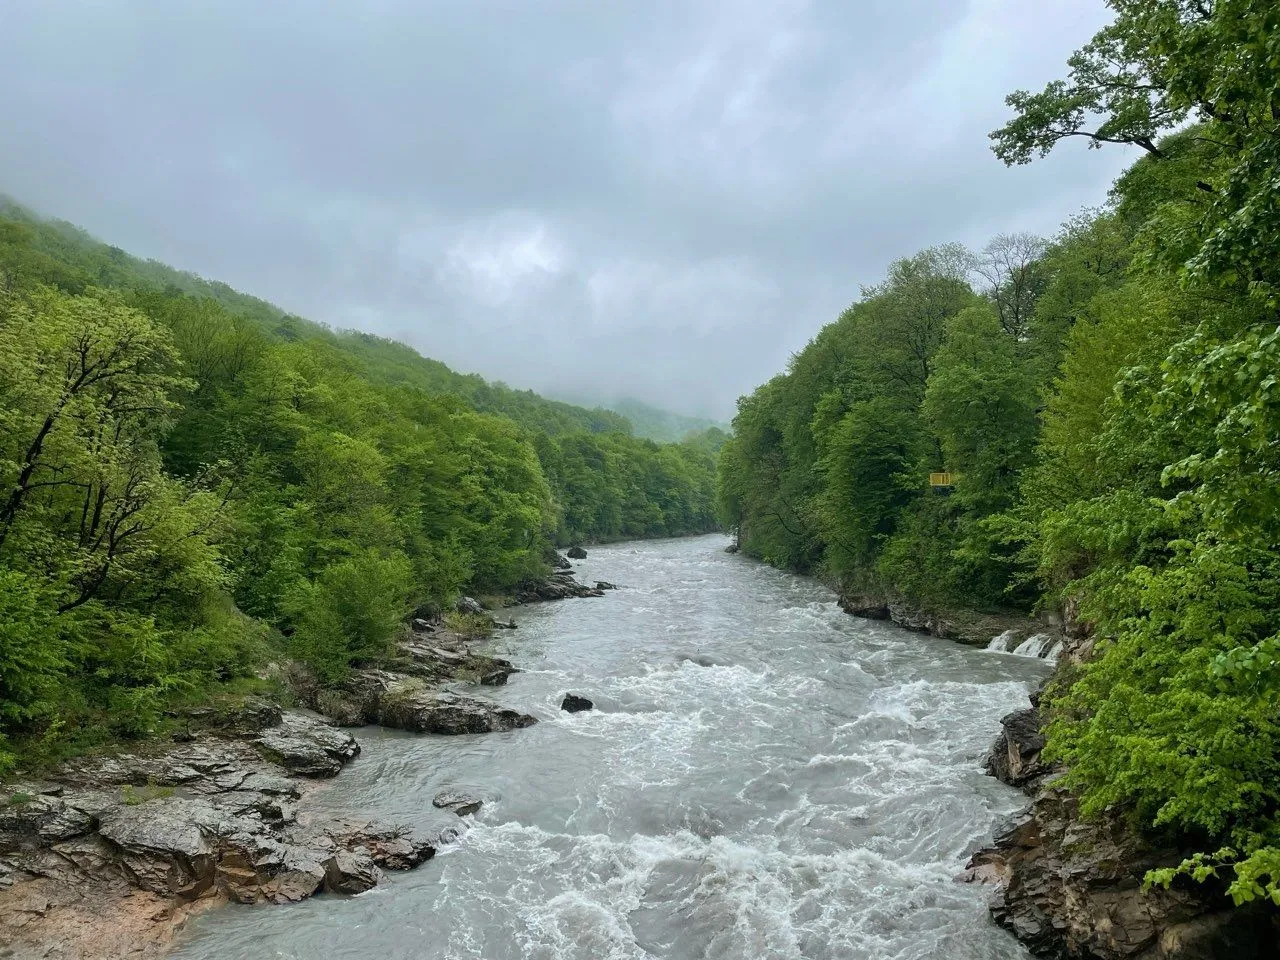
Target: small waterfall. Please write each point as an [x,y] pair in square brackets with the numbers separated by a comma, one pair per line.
[1004,643]
[1039,645]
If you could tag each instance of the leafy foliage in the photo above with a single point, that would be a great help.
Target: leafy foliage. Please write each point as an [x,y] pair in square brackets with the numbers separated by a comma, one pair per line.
[1110,417]
[193,481]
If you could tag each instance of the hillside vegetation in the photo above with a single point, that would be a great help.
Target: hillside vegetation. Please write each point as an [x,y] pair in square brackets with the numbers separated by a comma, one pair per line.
[662,425]
[193,483]
[1107,404]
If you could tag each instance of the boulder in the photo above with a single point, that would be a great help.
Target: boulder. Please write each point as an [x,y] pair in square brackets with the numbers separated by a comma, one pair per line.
[864,605]
[349,872]
[576,553]
[1015,755]
[463,804]
[432,660]
[605,585]
[169,848]
[419,710]
[572,703]
[469,605]
[307,747]
[555,587]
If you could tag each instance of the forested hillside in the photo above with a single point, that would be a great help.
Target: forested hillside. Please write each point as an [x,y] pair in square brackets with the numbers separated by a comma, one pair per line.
[195,482]
[1107,404]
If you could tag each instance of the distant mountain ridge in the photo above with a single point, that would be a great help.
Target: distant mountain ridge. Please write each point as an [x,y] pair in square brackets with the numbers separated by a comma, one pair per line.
[648,421]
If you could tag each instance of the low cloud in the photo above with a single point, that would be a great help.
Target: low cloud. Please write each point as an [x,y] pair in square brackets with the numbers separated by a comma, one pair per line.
[662,200]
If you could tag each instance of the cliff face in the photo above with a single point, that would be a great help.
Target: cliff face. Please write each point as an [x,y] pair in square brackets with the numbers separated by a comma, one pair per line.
[1071,889]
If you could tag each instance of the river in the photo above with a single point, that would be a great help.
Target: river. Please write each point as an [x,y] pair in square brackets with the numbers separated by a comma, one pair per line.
[763,777]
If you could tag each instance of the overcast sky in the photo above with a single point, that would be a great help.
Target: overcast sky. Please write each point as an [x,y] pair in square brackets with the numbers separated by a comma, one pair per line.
[661,199]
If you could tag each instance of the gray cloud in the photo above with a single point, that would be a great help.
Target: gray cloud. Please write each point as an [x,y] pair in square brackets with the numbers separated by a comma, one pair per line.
[660,199]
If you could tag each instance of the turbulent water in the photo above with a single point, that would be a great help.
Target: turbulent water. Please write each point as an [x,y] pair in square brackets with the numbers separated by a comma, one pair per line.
[764,776]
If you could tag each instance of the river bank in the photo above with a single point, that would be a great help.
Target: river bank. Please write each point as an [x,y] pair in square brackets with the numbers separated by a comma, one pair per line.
[761,775]
[109,855]
[1067,887]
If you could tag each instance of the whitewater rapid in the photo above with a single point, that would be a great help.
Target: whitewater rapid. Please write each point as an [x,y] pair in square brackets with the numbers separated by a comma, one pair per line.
[763,776]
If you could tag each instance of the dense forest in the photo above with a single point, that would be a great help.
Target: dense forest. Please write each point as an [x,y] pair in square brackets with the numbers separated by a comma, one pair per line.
[1106,403]
[195,483]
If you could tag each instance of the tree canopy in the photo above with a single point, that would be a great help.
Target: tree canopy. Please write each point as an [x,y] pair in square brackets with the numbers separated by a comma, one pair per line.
[1108,407]
[194,483]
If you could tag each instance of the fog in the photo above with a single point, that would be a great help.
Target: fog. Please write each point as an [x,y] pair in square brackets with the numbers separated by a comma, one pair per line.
[661,200]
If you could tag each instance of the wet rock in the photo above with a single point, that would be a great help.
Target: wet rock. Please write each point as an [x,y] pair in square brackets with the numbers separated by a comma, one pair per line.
[103,861]
[307,747]
[242,716]
[30,820]
[732,548]
[170,847]
[434,661]
[499,625]
[463,804]
[1072,888]
[348,872]
[555,587]
[406,703]
[1015,755]
[448,714]
[605,585]
[576,553]
[572,703]
[864,605]
[963,626]
[560,563]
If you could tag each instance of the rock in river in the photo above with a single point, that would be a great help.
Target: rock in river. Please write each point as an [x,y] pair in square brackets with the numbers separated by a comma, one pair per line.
[409,703]
[572,703]
[463,804]
[576,553]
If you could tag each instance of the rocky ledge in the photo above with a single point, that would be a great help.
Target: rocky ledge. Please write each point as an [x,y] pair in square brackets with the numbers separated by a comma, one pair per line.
[963,626]
[111,854]
[407,693]
[560,585]
[1071,888]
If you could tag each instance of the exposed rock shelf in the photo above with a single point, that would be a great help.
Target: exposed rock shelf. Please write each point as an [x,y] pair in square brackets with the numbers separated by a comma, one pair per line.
[561,585]
[108,857]
[963,626]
